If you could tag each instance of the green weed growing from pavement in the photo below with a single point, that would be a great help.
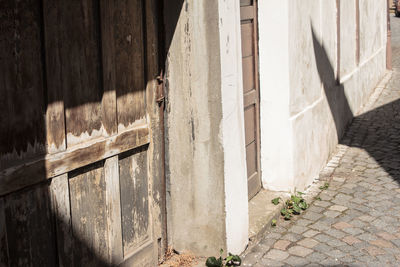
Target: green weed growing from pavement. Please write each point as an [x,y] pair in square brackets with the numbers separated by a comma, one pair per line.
[294,206]
[325,186]
[231,260]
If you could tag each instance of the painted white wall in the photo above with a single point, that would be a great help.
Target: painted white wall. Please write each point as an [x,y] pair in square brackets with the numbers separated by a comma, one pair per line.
[232,127]
[303,110]
[276,130]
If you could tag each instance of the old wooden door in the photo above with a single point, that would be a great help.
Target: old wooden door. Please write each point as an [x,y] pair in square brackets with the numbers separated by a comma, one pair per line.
[248,25]
[81,155]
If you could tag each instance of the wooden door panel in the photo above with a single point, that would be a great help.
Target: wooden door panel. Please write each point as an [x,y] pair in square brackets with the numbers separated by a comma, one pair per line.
[134,199]
[248,74]
[21,80]
[28,222]
[88,213]
[129,62]
[247,39]
[250,123]
[251,158]
[248,15]
[84,81]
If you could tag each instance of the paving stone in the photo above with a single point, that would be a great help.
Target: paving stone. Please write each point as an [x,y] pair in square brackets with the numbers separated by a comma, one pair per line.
[291,237]
[367,237]
[335,233]
[323,238]
[353,231]
[338,208]
[381,243]
[268,262]
[316,257]
[251,258]
[351,240]
[321,247]
[342,225]
[299,251]
[313,216]
[331,214]
[303,222]
[335,243]
[323,204]
[277,255]
[297,261]
[298,229]
[308,242]
[282,244]
[319,226]
[374,251]
[310,233]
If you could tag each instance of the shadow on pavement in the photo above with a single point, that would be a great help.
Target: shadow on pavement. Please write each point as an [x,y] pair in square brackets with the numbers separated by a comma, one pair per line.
[376,131]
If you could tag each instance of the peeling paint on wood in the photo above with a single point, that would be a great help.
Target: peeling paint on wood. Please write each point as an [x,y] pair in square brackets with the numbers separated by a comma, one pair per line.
[29,223]
[21,82]
[59,191]
[134,198]
[88,215]
[52,165]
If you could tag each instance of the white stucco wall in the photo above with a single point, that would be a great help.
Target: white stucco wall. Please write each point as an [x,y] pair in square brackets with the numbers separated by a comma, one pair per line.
[304,111]
[232,127]
[276,129]
[206,164]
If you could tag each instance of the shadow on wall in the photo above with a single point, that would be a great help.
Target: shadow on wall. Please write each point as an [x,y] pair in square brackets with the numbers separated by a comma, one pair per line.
[376,131]
[55,56]
[333,89]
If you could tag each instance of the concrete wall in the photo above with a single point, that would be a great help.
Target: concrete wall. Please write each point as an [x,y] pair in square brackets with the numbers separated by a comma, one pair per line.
[304,110]
[207,200]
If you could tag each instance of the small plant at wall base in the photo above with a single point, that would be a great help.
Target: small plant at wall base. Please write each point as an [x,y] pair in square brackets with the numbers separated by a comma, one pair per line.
[294,206]
[231,260]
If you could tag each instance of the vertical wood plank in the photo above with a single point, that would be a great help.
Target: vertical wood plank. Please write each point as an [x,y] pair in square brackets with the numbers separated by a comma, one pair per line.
[3,237]
[59,192]
[129,64]
[113,206]
[55,120]
[109,100]
[89,216]
[134,199]
[21,82]
[156,153]
[73,29]
[30,232]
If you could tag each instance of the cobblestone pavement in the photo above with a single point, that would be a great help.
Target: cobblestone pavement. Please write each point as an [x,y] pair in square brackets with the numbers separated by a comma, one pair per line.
[356,222]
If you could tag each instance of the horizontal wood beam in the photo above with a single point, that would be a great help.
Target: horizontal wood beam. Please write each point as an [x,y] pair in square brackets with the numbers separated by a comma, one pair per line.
[51,165]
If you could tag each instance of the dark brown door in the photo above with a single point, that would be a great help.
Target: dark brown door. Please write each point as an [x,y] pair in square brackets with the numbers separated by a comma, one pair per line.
[80,134]
[248,25]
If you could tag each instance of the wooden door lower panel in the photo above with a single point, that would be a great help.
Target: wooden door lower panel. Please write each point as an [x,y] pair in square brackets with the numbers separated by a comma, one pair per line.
[98,215]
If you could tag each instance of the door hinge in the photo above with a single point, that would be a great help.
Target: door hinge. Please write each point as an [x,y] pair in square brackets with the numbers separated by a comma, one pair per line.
[160,89]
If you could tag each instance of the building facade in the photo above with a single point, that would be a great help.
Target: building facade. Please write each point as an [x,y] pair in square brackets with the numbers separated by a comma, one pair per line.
[131,126]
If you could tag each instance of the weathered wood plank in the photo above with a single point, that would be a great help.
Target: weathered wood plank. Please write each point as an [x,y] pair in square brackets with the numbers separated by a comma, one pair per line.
[156,114]
[55,120]
[89,215]
[3,237]
[29,223]
[41,169]
[75,31]
[59,192]
[21,82]
[113,207]
[129,62]
[134,198]
[109,100]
